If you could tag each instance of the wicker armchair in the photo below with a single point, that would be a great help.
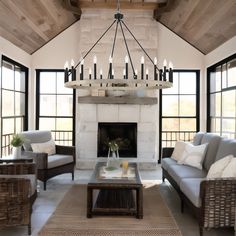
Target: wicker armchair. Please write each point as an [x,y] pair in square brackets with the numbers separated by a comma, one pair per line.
[17,194]
[49,166]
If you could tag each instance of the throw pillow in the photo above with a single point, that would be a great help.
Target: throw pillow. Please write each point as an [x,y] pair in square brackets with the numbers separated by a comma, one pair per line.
[193,155]
[218,167]
[230,169]
[178,150]
[46,147]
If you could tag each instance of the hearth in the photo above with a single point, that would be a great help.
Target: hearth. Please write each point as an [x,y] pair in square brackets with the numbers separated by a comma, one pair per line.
[124,134]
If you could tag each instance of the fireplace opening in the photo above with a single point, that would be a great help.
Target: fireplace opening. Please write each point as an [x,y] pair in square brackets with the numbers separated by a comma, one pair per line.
[124,134]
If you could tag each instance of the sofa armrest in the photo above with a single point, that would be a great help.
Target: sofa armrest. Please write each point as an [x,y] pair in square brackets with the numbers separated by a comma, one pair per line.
[40,158]
[218,198]
[167,152]
[68,150]
[17,169]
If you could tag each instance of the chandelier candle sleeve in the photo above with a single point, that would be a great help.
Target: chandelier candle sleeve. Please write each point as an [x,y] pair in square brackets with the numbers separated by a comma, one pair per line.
[110,67]
[101,77]
[142,67]
[164,72]
[95,66]
[82,69]
[124,73]
[126,66]
[155,68]
[66,78]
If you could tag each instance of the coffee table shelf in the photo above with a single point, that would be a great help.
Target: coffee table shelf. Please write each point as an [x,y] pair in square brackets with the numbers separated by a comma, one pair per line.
[121,196]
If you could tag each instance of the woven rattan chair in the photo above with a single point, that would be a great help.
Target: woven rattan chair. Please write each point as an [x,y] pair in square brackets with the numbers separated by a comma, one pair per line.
[16,194]
[63,161]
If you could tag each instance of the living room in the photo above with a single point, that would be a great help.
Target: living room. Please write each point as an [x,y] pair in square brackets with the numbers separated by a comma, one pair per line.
[120,88]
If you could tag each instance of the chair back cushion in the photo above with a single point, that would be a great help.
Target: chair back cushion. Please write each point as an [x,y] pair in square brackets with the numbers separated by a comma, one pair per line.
[226,147]
[198,138]
[35,136]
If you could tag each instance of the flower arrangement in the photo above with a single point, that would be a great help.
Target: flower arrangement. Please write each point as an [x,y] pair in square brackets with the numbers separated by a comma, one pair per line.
[113,145]
[17,140]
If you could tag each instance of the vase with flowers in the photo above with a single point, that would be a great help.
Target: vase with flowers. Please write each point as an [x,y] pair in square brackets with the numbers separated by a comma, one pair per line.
[113,154]
[16,142]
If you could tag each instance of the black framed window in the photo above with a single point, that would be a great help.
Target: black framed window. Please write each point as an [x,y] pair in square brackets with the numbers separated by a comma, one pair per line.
[179,108]
[55,106]
[221,97]
[14,101]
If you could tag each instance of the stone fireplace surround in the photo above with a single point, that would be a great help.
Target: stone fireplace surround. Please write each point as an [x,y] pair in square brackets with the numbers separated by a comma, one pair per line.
[88,116]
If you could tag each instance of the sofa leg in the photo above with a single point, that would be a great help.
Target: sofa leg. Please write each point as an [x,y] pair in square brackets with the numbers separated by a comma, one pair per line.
[73,175]
[201,231]
[182,205]
[44,185]
[29,229]
[163,178]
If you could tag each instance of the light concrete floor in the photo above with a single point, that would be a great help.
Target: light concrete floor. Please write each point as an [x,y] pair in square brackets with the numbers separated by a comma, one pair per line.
[47,202]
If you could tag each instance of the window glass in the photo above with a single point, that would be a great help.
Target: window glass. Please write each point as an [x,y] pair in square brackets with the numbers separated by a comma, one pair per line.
[7,103]
[170,105]
[187,83]
[222,114]
[187,105]
[19,104]
[55,107]
[7,75]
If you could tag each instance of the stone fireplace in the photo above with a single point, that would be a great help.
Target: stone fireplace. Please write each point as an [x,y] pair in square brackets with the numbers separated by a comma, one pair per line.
[87,127]
[124,134]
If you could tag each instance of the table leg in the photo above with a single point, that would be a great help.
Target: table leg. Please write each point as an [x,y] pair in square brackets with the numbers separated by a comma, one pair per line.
[139,201]
[89,202]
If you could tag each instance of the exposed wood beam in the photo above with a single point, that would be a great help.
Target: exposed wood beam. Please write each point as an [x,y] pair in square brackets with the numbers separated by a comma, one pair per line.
[164,7]
[123,5]
[73,6]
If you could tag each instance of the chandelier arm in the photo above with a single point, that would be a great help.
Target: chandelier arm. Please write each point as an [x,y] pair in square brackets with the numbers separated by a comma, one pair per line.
[139,44]
[114,42]
[95,44]
[126,45]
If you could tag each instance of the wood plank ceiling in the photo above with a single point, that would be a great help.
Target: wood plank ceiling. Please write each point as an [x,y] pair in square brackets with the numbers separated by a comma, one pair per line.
[29,24]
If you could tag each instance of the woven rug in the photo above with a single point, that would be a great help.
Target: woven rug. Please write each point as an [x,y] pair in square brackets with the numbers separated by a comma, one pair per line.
[70,218]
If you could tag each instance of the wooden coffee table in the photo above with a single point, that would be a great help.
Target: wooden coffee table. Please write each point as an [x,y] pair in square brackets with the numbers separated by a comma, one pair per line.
[115,196]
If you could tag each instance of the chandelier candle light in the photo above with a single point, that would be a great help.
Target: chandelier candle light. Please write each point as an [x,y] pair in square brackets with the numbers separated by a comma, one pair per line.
[162,78]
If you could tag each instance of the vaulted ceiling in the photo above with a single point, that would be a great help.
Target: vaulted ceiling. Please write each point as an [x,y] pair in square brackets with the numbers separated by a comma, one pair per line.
[205,24]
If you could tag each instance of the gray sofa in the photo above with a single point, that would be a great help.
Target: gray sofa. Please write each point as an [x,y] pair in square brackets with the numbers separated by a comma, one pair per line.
[212,200]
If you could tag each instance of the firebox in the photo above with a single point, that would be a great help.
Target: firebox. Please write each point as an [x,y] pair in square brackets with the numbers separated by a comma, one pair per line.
[123,134]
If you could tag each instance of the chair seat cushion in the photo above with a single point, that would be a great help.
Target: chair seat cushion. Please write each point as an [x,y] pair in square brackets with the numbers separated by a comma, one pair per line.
[178,172]
[191,189]
[59,160]
[32,178]
[166,162]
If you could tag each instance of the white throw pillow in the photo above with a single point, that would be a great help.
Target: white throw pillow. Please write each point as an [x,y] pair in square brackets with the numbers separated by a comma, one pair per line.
[178,150]
[193,155]
[230,169]
[218,167]
[47,147]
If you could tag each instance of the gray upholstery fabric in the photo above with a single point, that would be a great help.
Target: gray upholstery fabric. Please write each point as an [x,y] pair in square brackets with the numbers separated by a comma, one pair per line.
[191,189]
[166,162]
[59,160]
[35,136]
[213,141]
[32,178]
[226,147]
[198,138]
[178,172]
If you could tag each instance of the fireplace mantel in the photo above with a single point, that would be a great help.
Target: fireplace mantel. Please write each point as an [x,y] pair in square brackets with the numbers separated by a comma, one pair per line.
[118,100]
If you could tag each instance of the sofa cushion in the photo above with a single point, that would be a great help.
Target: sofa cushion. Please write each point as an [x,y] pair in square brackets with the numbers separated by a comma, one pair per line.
[166,162]
[32,178]
[59,160]
[198,138]
[178,150]
[191,189]
[178,172]
[213,141]
[35,136]
[218,167]
[226,147]
[193,155]
[230,170]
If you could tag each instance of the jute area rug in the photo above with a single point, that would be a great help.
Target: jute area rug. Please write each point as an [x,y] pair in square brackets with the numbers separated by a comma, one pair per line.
[70,218]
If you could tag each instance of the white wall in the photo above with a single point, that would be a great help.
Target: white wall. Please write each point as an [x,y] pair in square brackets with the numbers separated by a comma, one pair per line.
[10,50]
